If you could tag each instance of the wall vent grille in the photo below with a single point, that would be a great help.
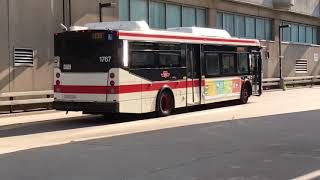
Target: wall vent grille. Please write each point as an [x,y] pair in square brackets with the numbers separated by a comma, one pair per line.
[301,66]
[23,57]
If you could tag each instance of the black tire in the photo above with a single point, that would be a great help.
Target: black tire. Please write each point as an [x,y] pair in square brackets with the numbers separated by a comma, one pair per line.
[245,94]
[109,116]
[165,103]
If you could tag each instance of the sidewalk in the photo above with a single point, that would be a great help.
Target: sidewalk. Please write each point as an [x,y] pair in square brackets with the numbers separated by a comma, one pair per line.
[37,116]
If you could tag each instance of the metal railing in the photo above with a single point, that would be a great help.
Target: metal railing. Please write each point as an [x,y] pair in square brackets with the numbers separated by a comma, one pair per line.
[12,101]
[291,81]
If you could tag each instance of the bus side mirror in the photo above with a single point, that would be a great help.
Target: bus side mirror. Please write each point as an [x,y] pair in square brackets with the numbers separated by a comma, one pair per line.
[267,54]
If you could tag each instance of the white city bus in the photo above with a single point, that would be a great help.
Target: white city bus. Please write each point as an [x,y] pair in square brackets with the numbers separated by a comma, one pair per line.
[125,67]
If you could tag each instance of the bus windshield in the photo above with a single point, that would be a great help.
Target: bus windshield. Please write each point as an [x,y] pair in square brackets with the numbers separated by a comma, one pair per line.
[88,51]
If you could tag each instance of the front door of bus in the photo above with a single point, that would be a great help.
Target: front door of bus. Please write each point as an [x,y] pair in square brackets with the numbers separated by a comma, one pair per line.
[193,88]
[256,67]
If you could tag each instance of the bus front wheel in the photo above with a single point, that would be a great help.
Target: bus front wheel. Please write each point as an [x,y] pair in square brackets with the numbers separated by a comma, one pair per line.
[165,103]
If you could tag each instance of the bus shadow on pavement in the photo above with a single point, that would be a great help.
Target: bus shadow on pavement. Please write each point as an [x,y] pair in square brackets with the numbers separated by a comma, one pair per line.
[93,121]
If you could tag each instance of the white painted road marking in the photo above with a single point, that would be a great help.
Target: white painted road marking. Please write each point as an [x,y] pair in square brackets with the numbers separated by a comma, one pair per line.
[309,176]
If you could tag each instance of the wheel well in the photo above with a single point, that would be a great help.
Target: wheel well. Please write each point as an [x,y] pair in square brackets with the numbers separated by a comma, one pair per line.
[169,91]
[248,85]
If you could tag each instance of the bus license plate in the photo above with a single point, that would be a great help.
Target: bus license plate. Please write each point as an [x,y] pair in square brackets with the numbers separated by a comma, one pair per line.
[66,66]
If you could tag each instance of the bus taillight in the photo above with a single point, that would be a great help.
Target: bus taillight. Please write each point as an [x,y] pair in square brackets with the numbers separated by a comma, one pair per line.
[112,75]
[58,82]
[58,75]
[112,83]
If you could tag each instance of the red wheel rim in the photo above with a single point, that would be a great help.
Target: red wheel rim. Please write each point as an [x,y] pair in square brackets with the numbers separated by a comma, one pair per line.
[165,102]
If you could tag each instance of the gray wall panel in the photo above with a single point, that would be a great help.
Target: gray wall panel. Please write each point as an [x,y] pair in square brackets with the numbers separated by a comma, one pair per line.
[292,52]
[271,64]
[307,7]
[31,28]
[4,54]
[266,3]
[201,3]
[86,11]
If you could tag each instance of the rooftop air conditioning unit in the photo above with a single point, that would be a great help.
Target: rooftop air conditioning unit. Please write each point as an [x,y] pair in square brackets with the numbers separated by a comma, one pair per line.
[283,4]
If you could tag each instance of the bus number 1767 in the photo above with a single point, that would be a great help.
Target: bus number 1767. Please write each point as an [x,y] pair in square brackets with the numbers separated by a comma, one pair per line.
[105,59]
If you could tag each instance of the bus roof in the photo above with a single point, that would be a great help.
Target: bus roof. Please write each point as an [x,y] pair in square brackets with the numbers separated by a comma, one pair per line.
[140,31]
[120,25]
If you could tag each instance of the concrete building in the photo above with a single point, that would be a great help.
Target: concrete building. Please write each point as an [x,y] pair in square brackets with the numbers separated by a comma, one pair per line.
[27,28]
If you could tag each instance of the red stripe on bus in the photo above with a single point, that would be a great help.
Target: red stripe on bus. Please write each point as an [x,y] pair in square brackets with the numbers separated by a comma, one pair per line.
[157,86]
[122,89]
[186,37]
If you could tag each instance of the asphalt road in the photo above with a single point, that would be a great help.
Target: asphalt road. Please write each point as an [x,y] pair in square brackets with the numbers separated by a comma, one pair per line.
[271,147]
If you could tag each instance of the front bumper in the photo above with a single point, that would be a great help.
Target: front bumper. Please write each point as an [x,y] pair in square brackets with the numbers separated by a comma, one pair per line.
[91,107]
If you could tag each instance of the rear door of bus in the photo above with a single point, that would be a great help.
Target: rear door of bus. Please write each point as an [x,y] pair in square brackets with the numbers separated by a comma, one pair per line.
[256,70]
[193,87]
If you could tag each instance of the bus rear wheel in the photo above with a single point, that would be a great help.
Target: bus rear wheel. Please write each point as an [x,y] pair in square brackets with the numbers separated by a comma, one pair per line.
[244,97]
[165,103]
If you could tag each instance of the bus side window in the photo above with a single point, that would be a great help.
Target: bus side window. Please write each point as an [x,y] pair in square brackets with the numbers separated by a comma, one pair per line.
[143,59]
[243,63]
[169,60]
[212,64]
[228,64]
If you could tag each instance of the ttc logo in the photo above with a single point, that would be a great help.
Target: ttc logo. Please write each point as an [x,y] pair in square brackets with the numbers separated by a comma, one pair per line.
[165,74]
